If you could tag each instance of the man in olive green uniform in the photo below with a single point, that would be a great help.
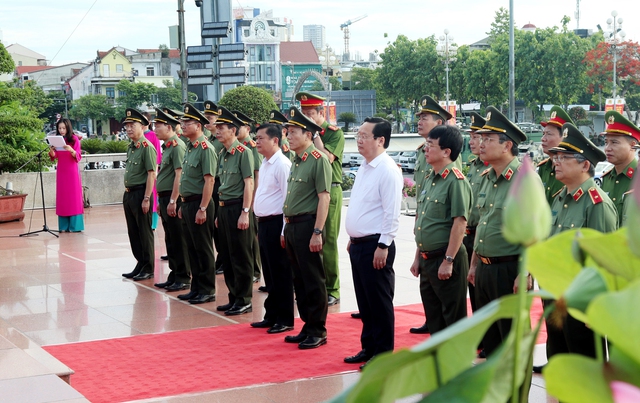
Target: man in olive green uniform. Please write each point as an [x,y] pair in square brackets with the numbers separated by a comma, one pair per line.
[177,115]
[551,137]
[139,180]
[494,264]
[441,260]
[279,119]
[330,142]
[197,210]
[621,138]
[168,185]
[306,208]
[431,114]
[234,218]
[580,204]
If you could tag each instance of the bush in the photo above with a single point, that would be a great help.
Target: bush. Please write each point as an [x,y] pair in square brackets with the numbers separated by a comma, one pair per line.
[91,146]
[347,182]
[114,147]
[254,102]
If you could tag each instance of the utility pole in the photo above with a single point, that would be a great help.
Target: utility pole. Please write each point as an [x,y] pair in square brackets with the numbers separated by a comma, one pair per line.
[183,51]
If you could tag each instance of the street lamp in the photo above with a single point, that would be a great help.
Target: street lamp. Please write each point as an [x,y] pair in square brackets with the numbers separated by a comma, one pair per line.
[448,52]
[616,37]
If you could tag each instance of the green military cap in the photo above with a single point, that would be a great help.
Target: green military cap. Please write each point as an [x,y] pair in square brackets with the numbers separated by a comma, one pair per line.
[191,113]
[557,118]
[165,118]
[134,115]
[309,100]
[210,107]
[477,122]
[497,123]
[300,120]
[574,142]
[244,118]
[276,116]
[618,124]
[172,112]
[226,117]
[429,105]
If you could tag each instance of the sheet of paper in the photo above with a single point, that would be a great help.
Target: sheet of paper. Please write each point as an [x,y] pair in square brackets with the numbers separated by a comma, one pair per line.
[56,141]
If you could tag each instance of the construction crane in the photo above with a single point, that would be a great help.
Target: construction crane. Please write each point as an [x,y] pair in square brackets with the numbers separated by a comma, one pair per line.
[345,28]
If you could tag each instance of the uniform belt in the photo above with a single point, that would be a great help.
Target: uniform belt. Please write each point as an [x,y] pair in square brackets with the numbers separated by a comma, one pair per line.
[498,259]
[335,184]
[269,218]
[362,239]
[299,218]
[230,202]
[433,254]
[191,198]
[134,188]
[471,230]
[165,194]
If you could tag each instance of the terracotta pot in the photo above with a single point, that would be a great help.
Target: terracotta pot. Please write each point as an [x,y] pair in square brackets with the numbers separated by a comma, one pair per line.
[11,207]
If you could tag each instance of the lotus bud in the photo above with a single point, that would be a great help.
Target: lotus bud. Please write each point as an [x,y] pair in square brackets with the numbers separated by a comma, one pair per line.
[633,217]
[624,392]
[526,218]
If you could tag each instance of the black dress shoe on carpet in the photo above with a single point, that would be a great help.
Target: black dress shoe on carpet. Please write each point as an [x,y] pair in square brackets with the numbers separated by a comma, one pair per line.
[143,276]
[224,307]
[239,310]
[424,329]
[262,288]
[331,300]
[202,299]
[312,342]
[188,296]
[262,324]
[278,328]
[163,285]
[362,356]
[537,369]
[131,274]
[177,287]
[164,257]
[356,315]
[299,338]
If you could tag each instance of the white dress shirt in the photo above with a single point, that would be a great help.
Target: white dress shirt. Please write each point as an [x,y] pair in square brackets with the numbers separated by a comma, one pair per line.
[374,207]
[272,187]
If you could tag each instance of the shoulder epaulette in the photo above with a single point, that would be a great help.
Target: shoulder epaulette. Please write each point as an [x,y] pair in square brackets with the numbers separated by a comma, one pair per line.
[253,143]
[174,143]
[457,173]
[486,171]
[609,171]
[630,172]
[334,128]
[204,145]
[316,154]
[240,148]
[544,161]
[421,146]
[595,195]
[285,148]
[558,192]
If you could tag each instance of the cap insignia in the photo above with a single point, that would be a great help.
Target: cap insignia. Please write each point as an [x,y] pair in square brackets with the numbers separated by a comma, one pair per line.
[186,109]
[553,114]
[128,113]
[273,115]
[488,116]
[424,102]
[293,112]
[565,133]
[612,119]
[473,119]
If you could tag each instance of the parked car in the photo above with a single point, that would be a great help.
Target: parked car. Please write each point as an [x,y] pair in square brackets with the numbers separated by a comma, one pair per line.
[600,169]
[346,159]
[408,161]
[395,156]
[355,160]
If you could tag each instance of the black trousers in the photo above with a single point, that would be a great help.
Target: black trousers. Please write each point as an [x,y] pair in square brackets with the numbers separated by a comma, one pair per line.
[573,336]
[374,294]
[175,243]
[308,278]
[445,301]
[221,257]
[276,269]
[492,282]
[255,248]
[468,241]
[199,240]
[139,230]
[236,244]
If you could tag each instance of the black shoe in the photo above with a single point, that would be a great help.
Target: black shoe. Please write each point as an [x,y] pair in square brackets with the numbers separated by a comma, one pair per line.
[277,328]
[331,300]
[202,298]
[312,342]
[143,276]
[537,369]
[256,279]
[225,307]
[262,324]
[165,257]
[220,271]
[163,285]
[482,354]
[239,310]
[362,356]
[188,296]
[177,287]
[263,288]
[131,274]
[356,315]
[424,329]
[299,338]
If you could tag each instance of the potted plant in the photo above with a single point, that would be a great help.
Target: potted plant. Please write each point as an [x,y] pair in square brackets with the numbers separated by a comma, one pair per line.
[11,205]
[115,147]
[91,146]
[409,203]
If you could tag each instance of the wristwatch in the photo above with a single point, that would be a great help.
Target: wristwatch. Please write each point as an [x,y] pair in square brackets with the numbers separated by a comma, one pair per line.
[203,209]
[147,198]
[171,201]
[382,246]
[245,209]
[315,135]
[449,259]
[317,231]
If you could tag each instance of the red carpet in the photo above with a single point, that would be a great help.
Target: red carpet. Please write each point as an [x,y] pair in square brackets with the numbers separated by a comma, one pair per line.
[198,360]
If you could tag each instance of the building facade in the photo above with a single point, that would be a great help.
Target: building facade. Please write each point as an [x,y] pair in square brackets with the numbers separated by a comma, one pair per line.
[315,34]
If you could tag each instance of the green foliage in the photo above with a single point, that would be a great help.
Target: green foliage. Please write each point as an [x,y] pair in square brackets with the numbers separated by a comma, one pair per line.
[347,118]
[113,146]
[500,24]
[164,50]
[57,106]
[92,107]
[577,113]
[171,95]
[30,96]
[484,82]
[336,85]
[92,146]
[135,95]
[347,182]
[252,101]
[6,61]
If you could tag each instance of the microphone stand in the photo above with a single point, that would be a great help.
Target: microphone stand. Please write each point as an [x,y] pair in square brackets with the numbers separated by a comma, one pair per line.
[45,228]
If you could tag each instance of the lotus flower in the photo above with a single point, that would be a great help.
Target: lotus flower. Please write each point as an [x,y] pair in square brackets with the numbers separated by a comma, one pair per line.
[633,217]
[526,218]
[624,392]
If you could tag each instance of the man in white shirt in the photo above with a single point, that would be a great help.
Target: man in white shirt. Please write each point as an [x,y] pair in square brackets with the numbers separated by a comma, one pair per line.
[269,199]
[372,223]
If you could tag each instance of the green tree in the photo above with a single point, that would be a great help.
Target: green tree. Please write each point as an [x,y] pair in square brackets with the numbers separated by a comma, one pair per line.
[500,24]
[57,106]
[254,102]
[135,95]
[458,85]
[484,84]
[30,95]
[92,107]
[347,118]
[171,95]
[6,61]
[336,85]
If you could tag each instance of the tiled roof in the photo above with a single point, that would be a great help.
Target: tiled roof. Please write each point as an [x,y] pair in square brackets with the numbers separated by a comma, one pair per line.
[30,69]
[173,53]
[298,52]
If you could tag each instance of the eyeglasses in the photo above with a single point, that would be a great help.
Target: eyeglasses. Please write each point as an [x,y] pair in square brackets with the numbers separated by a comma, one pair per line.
[189,122]
[360,137]
[563,157]
[488,139]
[431,145]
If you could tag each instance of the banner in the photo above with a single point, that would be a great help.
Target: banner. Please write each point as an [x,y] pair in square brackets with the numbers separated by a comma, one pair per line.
[453,106]
[330,113]
[618,105]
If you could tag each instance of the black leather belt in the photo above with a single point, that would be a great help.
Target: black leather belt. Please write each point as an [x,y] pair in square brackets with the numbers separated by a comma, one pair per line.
[498,259]
[433,254]
[299,218]
[165,194]
[230,202]
[269,218]
[335,184]
[191,198]
[362,239]
[134,188]
[470,231]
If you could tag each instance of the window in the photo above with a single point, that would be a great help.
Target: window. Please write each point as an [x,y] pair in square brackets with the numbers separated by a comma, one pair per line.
[121,93]
[154,99]
[252,72]
[119,68]
[19,62]
[269,74]
[105,70]
[150,71]
[110,92]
